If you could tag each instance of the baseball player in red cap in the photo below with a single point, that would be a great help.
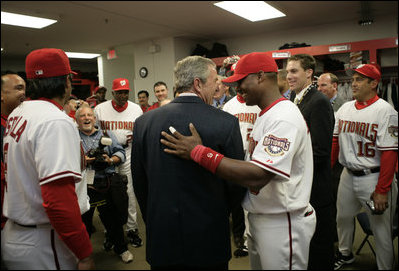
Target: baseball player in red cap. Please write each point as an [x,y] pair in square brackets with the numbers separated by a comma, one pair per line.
[43,161]
[366,143]
[279,174]
[118,116]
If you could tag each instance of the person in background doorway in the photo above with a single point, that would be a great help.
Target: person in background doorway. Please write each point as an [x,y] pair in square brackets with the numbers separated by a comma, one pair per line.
[98,96]
[161,92]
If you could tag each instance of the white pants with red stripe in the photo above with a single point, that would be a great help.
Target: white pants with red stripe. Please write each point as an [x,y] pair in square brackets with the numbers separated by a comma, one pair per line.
[353,192]
[281,241]
[39,248]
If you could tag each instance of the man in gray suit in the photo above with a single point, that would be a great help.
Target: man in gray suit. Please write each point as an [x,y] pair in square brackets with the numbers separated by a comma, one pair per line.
[328,84]
[186,208]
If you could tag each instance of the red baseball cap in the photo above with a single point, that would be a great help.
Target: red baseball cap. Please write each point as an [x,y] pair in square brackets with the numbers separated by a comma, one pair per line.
[47,62]
[252,63]
[98,88]
[368,70]
[120,84]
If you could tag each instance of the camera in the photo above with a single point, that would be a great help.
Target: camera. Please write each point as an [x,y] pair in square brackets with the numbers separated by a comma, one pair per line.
[99,163]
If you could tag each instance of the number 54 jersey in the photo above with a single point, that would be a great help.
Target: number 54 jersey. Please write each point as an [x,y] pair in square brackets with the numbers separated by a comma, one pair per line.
[364,133]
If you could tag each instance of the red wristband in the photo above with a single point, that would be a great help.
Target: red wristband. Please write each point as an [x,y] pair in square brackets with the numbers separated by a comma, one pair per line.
[206,157]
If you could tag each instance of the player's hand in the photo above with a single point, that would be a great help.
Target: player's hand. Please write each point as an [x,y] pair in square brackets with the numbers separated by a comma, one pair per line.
[380,202]
[179,144]
[86,264]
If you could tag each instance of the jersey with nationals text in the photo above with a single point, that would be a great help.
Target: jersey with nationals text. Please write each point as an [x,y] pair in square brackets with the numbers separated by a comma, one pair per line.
[282,146]
[364,133]
[246,115]
[41,144]
[120,123]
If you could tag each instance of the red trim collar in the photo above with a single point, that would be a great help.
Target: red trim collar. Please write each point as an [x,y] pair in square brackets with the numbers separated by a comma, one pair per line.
[53,102]
[270,106]
[240,98]
[117,107]
[361,105]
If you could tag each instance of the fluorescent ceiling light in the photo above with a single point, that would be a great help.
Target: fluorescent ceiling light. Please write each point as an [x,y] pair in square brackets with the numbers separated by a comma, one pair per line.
[251,10]
[81,55]
[24,20]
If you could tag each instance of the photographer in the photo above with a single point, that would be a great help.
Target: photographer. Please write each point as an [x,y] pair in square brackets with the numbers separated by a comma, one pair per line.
[102,153]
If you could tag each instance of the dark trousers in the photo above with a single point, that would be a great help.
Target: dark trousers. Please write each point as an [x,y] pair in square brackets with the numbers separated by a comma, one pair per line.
[221,266]
[107,213]
[238,225]
[321,251]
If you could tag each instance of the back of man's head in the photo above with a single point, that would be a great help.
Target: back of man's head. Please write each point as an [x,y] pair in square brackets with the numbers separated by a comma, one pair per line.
[189,68]
[47,71]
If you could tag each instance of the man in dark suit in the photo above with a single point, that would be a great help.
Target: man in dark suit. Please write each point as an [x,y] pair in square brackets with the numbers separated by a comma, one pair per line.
[319,116]
[185,207]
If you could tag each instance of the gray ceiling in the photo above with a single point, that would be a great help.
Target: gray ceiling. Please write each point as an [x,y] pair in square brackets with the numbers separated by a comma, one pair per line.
[95,26]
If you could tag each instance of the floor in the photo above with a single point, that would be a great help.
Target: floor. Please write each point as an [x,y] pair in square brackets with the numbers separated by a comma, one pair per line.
[110,261]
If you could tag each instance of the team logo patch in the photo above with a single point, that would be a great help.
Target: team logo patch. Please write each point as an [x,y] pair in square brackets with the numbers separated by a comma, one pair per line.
[123,82]
[209,155]
[39,72]
[393,131]
[276,146]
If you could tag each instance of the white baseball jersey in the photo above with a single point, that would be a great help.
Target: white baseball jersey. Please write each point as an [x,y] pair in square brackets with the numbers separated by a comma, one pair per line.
[41,144]
[284,147]
[120,123]
[364,133]
[246,115]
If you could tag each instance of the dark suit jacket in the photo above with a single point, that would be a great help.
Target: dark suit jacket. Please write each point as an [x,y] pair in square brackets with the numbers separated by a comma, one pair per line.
[319,116]
[185,207]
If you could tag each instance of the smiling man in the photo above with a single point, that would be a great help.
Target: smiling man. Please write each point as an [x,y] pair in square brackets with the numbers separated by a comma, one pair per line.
[161,92]
[278,176]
